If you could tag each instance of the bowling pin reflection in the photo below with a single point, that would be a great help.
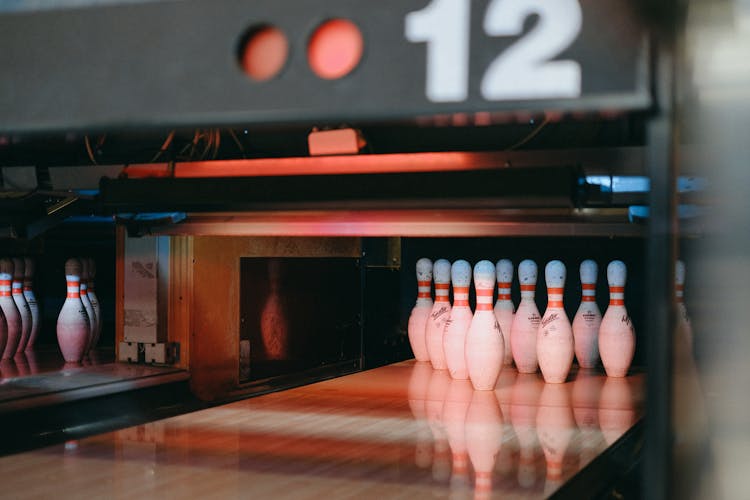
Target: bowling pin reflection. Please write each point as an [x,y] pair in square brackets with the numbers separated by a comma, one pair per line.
[523,412]
[587,388]
[457,400]
[484,437]
[417,394]
[436,393]
[616,411]
[274,329]
[555,427]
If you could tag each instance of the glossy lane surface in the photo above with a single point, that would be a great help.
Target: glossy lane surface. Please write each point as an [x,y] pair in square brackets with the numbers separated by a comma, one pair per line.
[401,431]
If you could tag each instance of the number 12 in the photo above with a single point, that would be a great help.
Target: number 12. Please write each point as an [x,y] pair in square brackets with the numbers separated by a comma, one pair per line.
[523,71]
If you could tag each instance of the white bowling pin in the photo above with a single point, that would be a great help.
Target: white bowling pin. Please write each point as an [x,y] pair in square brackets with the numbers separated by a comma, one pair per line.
[94,302]
[683,320]
[73,323]
[504,309]
[418,318]
[3,331]
[83,291]
[484,340]
[28,293]
[554,340]
[525,321]
[10,310]
[454,336]
[616,334]
[588,318]
[439,314]
[21,304]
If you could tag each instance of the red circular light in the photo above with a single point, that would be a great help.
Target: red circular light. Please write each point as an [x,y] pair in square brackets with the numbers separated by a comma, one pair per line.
[264,53]
[335,49]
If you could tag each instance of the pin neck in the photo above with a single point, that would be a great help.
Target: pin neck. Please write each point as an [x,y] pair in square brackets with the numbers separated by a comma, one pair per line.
[528,291]
[441,292]
[679,293]
[589,292]
[460,296]
[484,299]
[423,290]
[503,291]
[73,283]
[554,297]
[617,295]
[17,287]
[27,285]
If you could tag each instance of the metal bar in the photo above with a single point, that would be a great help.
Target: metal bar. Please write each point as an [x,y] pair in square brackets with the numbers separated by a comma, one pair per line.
[657,470]
[385,223]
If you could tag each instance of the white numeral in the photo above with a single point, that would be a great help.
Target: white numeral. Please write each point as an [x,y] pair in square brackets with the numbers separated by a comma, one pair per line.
[524,70]
[444,25]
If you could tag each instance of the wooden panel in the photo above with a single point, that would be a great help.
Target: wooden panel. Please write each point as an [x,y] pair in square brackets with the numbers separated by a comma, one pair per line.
[181,296]
[214,341]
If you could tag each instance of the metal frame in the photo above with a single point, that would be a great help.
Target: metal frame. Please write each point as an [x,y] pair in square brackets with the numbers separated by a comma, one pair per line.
[166,63]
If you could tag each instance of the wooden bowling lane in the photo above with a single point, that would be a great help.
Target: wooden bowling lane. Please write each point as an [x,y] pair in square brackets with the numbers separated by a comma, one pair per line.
[400,431]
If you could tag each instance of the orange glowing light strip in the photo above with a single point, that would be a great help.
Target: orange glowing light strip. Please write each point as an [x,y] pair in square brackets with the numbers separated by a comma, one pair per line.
[328,165]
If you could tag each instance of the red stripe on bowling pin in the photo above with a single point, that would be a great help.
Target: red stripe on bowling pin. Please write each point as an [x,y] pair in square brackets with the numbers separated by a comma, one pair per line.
[423,289]
[5,287]
[484,300]
[679,293]
[73,289]
[503,291]
[441,292]
[589,292]
[461,296]
[554,297]
[528,291]
[617,295]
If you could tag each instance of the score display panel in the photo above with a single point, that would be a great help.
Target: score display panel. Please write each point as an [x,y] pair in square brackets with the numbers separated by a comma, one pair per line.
[179,63]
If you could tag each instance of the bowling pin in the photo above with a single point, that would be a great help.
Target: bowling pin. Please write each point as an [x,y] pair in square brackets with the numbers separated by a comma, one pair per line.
[21,304]
[525,321]
[28,293]
[73,325]
[91,292]
[83,291]
[588,318]
[454,336]
[484,340]
[439,314]
[504,309]
[10,310]
[3,333]
[554,340]
[616,334]
[683,320]
[418,318]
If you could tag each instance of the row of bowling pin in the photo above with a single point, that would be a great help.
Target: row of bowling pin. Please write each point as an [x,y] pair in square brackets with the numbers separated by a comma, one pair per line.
[523,416]
[79,324]
[19,312]
[476,345]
